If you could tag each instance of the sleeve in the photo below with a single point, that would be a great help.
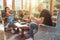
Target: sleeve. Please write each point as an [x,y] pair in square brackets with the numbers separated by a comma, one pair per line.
[45,13]
[42,14]
[3,14]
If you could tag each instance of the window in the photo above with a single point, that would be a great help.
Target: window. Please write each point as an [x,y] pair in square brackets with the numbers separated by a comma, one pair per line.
[34,5]
[18,4]
[1,4]
[56,7]
[9,4]
[27,4]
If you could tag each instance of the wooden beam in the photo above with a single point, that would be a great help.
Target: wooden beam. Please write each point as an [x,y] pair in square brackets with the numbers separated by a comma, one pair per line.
[13,5]
[4,4]
[30,7]
[51,6]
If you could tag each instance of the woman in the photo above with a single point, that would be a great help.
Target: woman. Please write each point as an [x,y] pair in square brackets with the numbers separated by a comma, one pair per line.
[8,17]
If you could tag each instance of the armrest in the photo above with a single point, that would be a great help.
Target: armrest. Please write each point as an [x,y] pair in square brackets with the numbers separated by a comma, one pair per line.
[45,25]
[46,28]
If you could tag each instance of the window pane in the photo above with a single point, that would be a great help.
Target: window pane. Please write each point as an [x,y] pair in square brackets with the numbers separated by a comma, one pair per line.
[9,4]
[1,4]
[27,5]
[34,5]
[56,7]
[18,4]
[24,4]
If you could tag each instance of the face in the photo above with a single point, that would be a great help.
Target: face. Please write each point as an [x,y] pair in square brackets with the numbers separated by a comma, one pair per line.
[7,9]
[39,8]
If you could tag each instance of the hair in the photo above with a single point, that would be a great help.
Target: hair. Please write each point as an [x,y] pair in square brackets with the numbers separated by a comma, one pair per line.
[6,8]
[41,4]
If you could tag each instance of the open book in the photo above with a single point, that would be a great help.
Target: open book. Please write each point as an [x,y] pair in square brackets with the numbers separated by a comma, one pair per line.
[20,25]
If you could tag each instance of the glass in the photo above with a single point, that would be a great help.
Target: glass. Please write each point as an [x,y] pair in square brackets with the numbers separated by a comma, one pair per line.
[1,4]
[9,4]
[27,5]
[56,7]
[18,4]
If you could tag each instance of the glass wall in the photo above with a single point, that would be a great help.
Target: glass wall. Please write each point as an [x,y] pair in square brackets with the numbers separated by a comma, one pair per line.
[9,4]
[56,7]
[18,4]
[25,5]
[1,4]
[46,4]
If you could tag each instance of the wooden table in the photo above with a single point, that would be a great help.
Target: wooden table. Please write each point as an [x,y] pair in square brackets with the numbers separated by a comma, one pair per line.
[23,28]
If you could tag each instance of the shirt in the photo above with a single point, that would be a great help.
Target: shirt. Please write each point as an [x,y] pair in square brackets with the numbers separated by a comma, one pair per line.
[47,17]
[7,14]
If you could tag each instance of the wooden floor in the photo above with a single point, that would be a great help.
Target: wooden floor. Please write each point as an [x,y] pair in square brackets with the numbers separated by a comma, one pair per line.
[1,35]
[16,36]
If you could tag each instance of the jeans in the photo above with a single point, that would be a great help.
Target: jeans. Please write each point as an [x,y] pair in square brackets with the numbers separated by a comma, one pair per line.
[10,21]
[54,24]
[32,27]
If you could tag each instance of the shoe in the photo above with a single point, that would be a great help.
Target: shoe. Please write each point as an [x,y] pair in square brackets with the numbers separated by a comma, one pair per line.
[29,39]
[12,31]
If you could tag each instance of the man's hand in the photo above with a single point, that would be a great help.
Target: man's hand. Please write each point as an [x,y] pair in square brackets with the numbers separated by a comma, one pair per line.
[38,20]
[32,17]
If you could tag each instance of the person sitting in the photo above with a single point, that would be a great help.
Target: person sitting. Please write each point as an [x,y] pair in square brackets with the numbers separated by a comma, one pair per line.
[8,17]
[45,18]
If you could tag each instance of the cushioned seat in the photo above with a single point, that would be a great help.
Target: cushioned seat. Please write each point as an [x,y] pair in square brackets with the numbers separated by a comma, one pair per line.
[48,32]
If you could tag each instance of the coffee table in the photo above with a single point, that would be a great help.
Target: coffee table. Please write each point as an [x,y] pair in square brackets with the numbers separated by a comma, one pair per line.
[23,28]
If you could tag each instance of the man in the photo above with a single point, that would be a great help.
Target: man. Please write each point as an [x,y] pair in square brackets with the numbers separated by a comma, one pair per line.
[45,18]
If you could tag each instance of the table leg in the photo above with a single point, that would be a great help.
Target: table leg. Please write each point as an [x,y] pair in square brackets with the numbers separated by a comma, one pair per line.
[22,33]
